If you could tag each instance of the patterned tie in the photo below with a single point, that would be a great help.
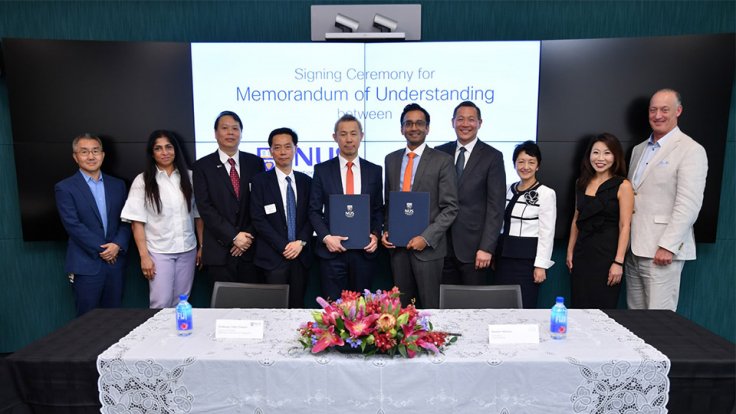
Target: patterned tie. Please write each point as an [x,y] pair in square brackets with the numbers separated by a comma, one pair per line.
[406,185]
[460,164]
[234,178]
[349,184]
[290,210]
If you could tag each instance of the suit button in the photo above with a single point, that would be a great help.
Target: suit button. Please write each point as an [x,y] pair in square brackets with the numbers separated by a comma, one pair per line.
[635,193]
[633,211]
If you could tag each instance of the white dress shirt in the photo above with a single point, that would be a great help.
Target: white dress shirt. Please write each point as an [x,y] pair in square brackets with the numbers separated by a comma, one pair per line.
[281,178]
[172,230]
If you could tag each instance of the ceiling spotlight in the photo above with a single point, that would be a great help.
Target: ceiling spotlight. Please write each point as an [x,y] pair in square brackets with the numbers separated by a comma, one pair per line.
[345,23]
[384,24]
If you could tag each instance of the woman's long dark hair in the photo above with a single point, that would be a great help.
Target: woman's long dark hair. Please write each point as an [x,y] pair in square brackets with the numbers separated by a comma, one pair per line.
[617,169]
[153,196]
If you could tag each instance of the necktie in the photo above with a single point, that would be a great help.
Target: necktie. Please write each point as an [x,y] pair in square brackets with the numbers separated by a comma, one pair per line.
[349,185]
[290,210]
[234,178]
[460,163]
[406,186]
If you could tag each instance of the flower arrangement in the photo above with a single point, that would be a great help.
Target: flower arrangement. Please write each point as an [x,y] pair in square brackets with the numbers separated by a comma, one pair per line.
[372,323]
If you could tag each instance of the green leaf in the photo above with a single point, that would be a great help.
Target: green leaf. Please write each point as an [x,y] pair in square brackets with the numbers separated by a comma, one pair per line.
[402,351]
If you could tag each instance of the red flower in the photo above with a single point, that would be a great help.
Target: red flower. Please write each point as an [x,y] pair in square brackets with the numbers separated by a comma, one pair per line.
[384,341]
[348,296]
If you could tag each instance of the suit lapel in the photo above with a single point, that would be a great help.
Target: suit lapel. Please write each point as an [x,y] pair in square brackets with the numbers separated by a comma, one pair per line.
[335,173]
[83,189]
[302,200]
[109,193]
[395,161]
[661,154]
[424,162]
[475,157]
[244,184]
[635,159]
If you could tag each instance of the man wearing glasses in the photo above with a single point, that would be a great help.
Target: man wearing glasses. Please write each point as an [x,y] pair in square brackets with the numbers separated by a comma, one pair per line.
[417,267]
[89,205]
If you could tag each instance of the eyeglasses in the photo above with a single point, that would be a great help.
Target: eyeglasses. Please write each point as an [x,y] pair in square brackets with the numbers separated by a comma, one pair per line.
[418,124]
[85,152]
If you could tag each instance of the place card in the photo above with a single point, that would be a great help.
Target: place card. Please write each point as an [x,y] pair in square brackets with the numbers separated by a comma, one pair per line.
[238,329]
[513,334]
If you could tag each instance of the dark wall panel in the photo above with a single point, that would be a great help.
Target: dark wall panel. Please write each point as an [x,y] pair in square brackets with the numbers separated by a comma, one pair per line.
[120,91]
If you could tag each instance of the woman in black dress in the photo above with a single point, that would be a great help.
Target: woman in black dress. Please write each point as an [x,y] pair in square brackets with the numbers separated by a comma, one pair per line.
[599,234]
[524,249]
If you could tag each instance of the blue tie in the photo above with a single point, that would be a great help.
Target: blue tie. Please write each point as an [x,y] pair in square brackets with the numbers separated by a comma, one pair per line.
[290,210]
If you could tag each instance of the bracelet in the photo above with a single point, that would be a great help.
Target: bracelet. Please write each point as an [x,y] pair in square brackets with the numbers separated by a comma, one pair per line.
[618,263]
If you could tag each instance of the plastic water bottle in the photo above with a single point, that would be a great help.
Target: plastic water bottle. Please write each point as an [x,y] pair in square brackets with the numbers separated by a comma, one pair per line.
[558,320]
[183,317]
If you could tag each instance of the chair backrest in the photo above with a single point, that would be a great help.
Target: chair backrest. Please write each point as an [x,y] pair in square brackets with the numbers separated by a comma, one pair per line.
[480,297]
[249,295]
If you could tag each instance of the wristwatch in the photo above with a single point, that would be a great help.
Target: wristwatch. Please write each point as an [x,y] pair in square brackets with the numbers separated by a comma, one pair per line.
[303,243]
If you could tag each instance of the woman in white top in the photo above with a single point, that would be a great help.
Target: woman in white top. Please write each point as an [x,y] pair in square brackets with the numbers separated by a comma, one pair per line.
[162,213]
[525,246]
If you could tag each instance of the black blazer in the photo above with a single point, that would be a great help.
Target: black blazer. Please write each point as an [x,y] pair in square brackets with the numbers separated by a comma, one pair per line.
[482,198]
[272,230]
[224,215]
[327,180]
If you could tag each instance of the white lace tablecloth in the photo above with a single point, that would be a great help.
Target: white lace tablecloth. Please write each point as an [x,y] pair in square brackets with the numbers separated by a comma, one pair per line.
[600,368]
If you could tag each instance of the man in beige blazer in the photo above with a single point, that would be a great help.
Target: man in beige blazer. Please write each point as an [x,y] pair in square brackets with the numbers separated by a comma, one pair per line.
[668,172]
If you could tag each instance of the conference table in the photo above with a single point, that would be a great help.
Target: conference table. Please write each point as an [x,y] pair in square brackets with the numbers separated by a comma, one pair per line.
[143,365]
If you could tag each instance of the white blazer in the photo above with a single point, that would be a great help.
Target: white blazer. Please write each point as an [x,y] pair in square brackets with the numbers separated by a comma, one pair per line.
[668,198]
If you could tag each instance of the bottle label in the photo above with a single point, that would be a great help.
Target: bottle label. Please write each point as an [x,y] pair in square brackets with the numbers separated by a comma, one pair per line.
[558,323]
[184,319]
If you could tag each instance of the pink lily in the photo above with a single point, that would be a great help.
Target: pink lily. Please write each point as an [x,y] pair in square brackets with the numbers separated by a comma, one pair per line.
[327,339]
[361,327]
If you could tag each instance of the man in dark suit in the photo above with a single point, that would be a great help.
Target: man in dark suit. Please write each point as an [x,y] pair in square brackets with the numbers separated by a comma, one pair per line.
[278,208]
[89,205]
[417,267]
[222,192]
[481,188]
[345,174]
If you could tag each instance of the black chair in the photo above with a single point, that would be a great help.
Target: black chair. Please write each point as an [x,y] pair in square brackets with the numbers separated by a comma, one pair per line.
[480,297]
[249,295]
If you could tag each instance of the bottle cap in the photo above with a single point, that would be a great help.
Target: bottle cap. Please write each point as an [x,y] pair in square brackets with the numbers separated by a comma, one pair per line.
[560,299]
[182,297]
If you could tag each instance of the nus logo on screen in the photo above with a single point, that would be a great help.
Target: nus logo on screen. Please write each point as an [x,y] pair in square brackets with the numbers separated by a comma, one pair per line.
[306,155]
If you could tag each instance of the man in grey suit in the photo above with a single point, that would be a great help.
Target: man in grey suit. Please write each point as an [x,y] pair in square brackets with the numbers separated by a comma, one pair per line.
[417,267]
[668,173]
[481,185]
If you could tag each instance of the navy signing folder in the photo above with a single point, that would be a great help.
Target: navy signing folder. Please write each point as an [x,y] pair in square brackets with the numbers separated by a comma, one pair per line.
[350,216]
[408,216]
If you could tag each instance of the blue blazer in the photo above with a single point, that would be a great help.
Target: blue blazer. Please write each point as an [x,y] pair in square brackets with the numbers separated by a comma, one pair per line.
[271,228]
[327,180]
[83,223]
